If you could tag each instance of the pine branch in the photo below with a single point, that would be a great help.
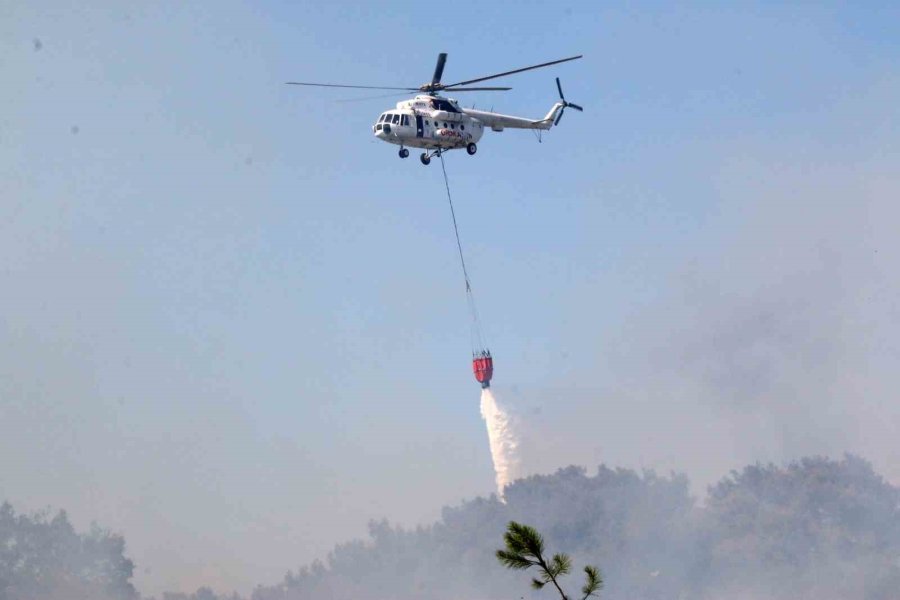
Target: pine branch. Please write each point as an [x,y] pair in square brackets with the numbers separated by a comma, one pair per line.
[594,582]
[525,549]
[514,560]
[561,564]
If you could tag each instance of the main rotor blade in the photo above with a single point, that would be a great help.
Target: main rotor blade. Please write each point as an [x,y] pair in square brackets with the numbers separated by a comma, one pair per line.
[514,71]
[439,68]
[391,95]
[477,89]
[361,87]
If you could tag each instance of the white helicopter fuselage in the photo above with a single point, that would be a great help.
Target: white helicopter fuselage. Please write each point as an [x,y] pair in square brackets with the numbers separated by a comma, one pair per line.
[435,122]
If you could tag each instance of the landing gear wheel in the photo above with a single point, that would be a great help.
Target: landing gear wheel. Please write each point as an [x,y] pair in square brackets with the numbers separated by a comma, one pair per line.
[471,148]
[426,160]
[403,153]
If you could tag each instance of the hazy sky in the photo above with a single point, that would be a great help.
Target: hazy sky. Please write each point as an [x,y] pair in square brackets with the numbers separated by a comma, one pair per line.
[232,325]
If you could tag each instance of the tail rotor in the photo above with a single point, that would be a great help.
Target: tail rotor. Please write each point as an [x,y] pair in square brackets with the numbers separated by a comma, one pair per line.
[565,104]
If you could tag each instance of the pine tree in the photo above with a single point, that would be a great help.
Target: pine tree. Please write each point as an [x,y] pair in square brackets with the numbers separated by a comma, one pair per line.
[525,549]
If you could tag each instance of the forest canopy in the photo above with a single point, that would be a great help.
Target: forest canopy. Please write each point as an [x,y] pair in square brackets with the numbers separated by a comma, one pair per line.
[817,528]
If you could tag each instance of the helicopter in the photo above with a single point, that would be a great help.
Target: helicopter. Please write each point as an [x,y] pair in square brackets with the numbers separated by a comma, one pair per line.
[436,123]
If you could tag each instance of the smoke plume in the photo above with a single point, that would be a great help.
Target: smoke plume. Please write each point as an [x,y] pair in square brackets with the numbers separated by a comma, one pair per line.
[504,445]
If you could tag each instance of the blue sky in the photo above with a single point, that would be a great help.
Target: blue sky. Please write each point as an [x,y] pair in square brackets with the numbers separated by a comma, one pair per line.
[233,324]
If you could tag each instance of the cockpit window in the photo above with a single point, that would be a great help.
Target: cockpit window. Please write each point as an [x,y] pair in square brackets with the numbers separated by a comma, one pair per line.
[396,120]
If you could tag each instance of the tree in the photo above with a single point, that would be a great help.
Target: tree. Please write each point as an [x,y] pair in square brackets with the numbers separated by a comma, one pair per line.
[525,549]
[43,557]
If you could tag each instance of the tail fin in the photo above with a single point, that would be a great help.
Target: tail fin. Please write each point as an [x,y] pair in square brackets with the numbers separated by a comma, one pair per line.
[551,116]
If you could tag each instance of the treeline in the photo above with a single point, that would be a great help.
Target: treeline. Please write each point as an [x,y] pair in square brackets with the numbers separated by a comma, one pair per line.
[43,557]
[818,528]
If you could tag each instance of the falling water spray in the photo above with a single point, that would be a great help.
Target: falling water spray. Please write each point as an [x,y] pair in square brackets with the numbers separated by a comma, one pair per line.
[504,446]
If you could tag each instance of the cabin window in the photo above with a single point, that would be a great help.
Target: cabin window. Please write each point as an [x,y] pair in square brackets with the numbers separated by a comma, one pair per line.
[405,119]
[443,105]
[445,124]
[396,120]
[461,126]
[452,126]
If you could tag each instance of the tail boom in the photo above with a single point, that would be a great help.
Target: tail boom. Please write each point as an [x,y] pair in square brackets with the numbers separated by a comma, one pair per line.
[499,122]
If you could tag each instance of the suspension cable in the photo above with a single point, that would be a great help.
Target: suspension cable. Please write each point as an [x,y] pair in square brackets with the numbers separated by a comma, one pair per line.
[462,260]
[470,296]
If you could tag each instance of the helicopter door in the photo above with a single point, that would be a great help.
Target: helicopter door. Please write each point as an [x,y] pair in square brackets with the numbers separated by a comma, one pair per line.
[420,129]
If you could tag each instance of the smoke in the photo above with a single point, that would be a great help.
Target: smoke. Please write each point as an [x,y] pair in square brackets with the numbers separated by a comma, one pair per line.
[503,441]
[817,528]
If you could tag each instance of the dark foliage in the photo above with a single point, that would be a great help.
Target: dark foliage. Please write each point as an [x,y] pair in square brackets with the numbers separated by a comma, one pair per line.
[203,593]
[819,528]
[44,558]
[632,525]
